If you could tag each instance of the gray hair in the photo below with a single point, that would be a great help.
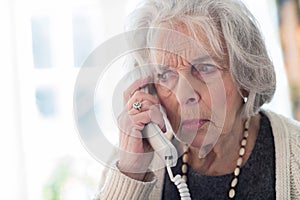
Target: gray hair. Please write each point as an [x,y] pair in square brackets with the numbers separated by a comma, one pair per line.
[237,34]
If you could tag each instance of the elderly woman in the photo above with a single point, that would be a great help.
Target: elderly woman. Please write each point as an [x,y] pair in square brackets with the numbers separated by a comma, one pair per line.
[212,95]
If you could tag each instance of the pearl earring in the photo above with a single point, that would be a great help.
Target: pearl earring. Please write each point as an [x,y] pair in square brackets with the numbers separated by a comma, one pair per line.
[245,99]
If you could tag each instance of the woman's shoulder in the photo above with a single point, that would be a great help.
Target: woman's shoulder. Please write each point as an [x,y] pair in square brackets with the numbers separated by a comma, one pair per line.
[283,123]
[284,127]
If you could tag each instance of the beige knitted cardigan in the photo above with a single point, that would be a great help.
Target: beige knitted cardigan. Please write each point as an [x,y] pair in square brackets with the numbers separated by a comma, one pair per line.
[115,185]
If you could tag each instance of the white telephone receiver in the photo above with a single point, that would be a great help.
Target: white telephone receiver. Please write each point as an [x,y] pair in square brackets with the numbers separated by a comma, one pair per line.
[157,139]
[160,143]
[166,151]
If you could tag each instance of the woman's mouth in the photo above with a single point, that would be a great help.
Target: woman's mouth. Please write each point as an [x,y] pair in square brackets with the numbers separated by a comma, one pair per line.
[193,124]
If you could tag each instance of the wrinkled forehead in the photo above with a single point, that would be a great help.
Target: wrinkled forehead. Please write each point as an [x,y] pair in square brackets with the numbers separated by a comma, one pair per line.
[180,43]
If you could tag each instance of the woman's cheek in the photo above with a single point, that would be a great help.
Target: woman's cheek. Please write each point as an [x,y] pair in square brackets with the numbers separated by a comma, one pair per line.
[170,103]
[214,98]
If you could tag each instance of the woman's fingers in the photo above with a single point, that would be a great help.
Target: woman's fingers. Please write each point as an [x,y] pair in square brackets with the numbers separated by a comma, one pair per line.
[145,105]
[135,86]
[140,95]
[152,115]
[136,153]
[134,120]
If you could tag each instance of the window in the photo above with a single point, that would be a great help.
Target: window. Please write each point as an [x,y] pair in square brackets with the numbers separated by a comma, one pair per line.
[48,42]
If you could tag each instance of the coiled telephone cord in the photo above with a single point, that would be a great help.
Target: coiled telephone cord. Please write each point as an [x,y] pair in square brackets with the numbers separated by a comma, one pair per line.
[180,184]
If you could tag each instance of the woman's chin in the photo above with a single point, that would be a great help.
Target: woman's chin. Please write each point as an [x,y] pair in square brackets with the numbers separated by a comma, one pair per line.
[203,138]
[194,138]
[198,141]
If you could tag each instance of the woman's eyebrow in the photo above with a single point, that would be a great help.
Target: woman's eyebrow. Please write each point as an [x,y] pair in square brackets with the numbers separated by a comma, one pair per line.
[162,67]
[202,59]
[212,59]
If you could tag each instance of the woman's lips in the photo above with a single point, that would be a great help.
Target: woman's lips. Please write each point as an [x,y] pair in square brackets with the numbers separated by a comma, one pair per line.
[193,124]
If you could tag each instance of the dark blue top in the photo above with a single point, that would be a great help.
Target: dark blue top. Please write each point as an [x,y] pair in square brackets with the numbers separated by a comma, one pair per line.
[256,180]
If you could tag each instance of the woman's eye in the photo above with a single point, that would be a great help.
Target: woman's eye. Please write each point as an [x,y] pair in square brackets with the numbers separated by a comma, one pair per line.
[165,76]
[205,68]
[168,79]
[205,72]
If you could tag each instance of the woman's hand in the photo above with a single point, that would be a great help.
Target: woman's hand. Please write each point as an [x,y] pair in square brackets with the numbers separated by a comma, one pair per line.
[135,152]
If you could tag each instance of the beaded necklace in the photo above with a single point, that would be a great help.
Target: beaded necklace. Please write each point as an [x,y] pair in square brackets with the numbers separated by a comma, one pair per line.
[236,172]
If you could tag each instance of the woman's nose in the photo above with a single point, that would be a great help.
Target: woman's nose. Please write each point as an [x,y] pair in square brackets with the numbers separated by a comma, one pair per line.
[185,93]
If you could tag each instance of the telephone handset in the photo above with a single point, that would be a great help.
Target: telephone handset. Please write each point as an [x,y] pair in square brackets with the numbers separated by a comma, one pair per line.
[160,143]
[157,139]
[166,151]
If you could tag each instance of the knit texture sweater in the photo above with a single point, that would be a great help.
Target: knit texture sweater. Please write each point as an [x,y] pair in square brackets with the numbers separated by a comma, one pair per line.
[286,133]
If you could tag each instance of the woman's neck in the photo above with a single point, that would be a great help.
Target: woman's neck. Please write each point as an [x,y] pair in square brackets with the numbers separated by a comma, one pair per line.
[222,158]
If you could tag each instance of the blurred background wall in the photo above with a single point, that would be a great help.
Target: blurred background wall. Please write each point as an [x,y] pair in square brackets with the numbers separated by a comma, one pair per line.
[43,43]
[289,13]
